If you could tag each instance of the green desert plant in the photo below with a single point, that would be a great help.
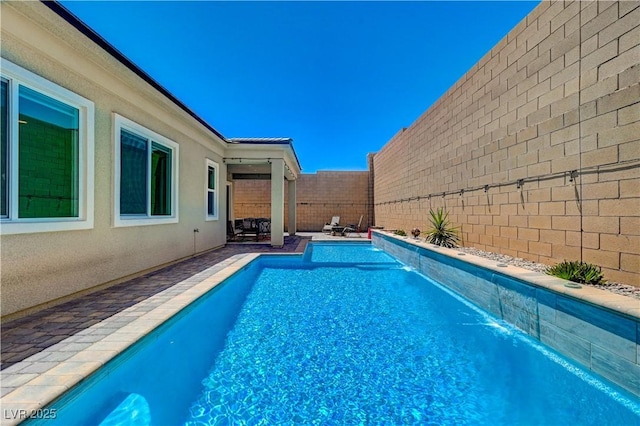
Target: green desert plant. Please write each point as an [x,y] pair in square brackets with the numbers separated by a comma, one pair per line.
[578,272]
[400,232]
[441,232]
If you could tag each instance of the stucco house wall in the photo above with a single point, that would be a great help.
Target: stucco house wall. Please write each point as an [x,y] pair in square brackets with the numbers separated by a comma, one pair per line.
[535,151]
[40,267]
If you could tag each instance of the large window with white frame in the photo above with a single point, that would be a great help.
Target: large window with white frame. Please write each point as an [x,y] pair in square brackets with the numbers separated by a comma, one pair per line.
[211,190]
[47,145]
[146,175]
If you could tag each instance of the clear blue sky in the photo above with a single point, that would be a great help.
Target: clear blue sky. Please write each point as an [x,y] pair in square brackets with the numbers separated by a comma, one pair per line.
[340,78]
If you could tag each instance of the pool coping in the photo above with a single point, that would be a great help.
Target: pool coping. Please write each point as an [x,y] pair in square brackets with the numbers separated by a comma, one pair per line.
[30,385]
[40,379]
[624,305]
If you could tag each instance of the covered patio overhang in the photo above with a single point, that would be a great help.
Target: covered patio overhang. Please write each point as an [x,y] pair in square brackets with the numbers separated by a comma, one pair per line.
[268,159]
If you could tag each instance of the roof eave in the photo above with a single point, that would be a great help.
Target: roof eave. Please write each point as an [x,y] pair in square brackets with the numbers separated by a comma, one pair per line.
[74,21]
[268,141]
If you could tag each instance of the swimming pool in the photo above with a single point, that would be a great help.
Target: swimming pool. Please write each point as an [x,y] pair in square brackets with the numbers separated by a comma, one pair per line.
[345,334]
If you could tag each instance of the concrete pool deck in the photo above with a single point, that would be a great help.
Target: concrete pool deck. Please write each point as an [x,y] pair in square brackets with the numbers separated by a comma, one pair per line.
[47,353]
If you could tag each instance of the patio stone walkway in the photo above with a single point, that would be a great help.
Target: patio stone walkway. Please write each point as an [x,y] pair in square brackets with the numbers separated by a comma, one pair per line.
[29,335]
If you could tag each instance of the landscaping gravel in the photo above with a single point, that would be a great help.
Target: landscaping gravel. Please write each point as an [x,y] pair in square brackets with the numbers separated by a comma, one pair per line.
[614,287]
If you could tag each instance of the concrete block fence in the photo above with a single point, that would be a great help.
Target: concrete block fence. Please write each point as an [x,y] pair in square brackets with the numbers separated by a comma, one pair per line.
[320,196]
[535,151]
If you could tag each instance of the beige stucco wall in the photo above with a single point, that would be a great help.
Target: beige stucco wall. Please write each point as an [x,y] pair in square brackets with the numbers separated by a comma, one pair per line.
[41,267]
[559,93]
[320,196]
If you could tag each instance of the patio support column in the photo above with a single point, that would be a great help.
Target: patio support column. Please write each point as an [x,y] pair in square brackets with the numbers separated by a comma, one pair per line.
[277,202]
[292,226]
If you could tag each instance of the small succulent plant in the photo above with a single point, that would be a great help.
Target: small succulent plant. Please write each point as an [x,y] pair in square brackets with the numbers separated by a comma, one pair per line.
[441,232]
[578,272]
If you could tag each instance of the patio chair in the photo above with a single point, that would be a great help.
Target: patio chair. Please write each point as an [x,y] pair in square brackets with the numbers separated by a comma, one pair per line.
[328,227]
[353,228]
[264,228]
[232,231]
[250,228]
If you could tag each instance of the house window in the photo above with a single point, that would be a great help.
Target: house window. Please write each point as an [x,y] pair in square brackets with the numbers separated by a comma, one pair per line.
[212,190]
[47,155]
[146,174]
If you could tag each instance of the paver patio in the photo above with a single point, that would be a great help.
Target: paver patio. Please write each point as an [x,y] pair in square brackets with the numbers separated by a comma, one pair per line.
[29,335]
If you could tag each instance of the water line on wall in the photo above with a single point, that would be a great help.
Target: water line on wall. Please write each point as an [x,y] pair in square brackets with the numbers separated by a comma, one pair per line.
[619,166]
[486,191]
[575,187]
[573,177]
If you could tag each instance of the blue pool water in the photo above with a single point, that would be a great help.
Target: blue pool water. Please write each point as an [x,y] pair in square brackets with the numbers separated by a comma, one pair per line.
[342,335]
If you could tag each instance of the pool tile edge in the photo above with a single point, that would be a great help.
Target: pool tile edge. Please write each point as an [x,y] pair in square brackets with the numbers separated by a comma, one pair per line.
[575,322]
[623,304]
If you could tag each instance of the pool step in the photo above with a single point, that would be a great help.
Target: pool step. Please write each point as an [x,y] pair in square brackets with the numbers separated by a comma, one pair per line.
[133,410]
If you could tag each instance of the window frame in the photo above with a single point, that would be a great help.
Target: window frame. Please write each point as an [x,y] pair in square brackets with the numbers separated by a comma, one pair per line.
[7,161]
[216,191]
[17,76]
[122,123]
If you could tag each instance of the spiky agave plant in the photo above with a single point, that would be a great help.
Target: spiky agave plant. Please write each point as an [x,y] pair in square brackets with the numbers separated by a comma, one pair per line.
[441,232]
[578,272]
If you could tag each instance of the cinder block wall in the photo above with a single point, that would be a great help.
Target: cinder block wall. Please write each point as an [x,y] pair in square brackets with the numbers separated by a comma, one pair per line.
[252,198]
[554,105]
[320,196]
